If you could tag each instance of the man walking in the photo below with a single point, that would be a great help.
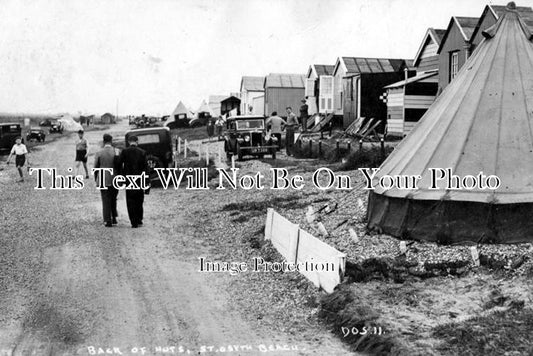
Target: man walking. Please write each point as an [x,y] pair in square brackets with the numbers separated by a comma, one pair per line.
[133,162]
[277,124]
[105,158]
[304,115]
[292,126]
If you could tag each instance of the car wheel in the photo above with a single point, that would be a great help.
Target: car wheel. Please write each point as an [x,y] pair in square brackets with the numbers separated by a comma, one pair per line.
[239,152]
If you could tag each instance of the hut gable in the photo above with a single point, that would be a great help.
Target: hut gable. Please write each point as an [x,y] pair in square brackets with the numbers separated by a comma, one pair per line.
[454,48]
[249,83]
[427,57]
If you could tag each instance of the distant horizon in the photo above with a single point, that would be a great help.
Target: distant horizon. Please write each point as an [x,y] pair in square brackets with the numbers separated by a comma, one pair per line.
[76,56]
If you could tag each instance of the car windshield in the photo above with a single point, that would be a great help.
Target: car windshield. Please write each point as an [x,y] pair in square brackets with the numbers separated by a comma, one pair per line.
[250,124]
[148,138]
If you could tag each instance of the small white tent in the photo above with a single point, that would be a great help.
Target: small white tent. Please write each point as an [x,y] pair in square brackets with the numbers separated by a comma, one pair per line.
[69,124]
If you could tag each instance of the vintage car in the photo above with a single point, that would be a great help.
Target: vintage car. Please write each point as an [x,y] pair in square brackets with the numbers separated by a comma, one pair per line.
[36,134]
[46,122]
[247,135]
[56,126]
[157,142]
[9,132]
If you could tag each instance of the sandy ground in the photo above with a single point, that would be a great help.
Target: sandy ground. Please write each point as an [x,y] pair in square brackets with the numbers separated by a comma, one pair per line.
[71,286]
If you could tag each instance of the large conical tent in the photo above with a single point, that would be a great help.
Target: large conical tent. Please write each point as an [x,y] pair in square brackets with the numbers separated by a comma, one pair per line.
[180,116]
[482,122]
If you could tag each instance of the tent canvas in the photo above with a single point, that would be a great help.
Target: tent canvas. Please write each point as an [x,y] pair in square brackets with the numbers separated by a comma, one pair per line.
[482,122]
[180,111]
[69,124]
[204,108]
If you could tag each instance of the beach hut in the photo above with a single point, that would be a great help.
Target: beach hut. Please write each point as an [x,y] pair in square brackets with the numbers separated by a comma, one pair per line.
[107,118]
[319,88]
[251,87]
[358,86]
[283,90]
[409,99]
[480,126]
[230,103]
[258,104]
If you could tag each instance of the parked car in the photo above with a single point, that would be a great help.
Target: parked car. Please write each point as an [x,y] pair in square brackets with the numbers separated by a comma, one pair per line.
[56,126]
[8,133]
[157,142]
[46,122]
[247,135]
[36,134]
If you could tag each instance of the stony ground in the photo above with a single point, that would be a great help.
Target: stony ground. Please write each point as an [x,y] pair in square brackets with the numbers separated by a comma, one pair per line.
[69,286]
[410,296]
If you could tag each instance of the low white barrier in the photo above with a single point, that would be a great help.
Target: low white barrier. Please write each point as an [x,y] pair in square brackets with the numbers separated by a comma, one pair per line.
[319,262]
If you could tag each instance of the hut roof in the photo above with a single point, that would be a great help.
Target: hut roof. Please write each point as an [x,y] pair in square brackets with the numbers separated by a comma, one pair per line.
[249,83]
[282,80]
[372,65]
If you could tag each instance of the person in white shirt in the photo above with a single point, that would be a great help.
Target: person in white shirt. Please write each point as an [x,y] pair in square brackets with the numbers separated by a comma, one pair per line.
[20,151]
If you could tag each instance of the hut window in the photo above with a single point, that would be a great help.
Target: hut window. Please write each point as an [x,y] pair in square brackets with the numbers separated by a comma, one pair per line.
[454,64]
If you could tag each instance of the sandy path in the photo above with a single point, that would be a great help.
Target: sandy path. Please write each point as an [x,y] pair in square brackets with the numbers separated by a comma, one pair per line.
[95,287]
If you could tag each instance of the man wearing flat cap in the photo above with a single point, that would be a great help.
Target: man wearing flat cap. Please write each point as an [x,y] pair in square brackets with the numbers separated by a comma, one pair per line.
[133,162]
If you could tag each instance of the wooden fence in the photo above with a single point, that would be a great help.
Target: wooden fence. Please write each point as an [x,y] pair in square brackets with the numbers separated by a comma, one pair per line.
[298,246]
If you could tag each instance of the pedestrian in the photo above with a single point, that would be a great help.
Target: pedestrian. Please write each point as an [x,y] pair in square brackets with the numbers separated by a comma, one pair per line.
[304,115]
[292,126]
[210,129]
[277,125]
[105,158]
[82,152]
[133,162]
[219,124]
[21,156]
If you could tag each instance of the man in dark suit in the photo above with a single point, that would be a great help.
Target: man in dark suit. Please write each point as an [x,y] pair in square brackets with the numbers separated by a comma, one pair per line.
[105,158]
[133,162]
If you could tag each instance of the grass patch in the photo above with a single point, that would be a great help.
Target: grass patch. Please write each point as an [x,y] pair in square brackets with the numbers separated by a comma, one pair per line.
[289,202]
[194,133]
[502,332]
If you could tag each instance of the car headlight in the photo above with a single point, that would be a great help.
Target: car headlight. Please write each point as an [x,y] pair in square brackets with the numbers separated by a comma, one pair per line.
[247,138]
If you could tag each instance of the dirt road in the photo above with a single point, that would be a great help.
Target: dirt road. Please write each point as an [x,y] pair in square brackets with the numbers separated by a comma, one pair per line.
[68,285]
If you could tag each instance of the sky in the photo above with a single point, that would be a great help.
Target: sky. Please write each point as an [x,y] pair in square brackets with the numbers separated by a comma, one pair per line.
[85,57]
